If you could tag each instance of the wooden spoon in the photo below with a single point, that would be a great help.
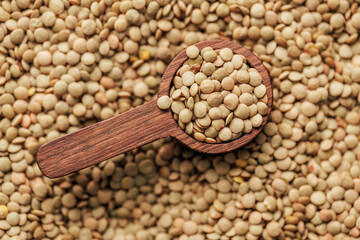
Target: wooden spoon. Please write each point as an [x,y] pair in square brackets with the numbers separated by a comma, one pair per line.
[139,126]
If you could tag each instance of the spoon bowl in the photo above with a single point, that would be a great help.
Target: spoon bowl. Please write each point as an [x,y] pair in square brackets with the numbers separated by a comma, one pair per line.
[141,125]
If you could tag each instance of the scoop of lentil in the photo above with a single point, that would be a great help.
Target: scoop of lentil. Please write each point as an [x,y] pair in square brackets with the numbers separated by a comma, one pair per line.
[203,77]
[67,64]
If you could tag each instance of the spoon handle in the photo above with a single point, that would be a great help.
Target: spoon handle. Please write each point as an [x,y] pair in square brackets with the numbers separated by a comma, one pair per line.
[104,140]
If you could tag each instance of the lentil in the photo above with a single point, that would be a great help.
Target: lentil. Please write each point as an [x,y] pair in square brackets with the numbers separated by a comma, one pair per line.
[219,81]
[67,64]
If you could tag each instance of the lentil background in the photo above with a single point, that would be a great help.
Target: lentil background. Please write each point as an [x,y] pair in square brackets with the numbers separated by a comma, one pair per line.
[67,64]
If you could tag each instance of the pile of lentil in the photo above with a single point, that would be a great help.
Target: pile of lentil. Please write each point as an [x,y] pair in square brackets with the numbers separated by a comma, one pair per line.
[67,64]
[216,96]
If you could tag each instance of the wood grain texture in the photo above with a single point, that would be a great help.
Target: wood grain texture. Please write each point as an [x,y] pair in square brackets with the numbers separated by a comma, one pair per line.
[103,140]
[139,126]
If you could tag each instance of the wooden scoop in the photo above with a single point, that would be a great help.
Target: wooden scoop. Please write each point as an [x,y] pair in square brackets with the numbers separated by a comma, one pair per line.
[139,126]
